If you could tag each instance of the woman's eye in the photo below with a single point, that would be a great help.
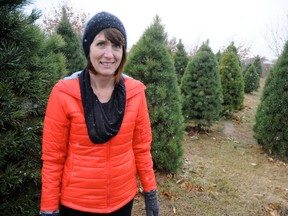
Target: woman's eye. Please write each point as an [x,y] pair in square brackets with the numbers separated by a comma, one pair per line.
[117,46]
[101,44]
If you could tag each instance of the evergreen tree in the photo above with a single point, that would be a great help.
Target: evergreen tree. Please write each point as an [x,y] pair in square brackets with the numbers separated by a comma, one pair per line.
[150,62]
[231,81]
[271,127]
[201,88]
[29,67]
[218,56]
[73,50]
[233,49]
[251,79]
[258,65]
[180,60]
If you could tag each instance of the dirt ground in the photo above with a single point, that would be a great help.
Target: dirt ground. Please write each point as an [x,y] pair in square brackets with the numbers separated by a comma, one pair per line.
[224,172]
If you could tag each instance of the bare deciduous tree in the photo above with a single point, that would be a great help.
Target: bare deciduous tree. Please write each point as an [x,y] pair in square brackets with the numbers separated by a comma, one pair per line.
[76,18]
[277,34]
[172,44]
[243,49]
[195,47]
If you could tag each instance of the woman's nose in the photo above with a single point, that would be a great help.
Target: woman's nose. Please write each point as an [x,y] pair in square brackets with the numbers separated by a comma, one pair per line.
[108,51]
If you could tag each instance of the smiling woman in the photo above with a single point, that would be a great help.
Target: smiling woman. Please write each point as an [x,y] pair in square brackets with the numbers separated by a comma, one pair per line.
[97,134]
[106,54]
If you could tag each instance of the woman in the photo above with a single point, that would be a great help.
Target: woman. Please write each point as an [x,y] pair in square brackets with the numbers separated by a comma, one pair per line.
[97,133]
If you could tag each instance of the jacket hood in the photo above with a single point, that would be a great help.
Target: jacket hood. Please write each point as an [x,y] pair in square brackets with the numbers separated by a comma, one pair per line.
[70,85]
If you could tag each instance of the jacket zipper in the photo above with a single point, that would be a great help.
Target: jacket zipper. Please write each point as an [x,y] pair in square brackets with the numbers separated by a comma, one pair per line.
[108,176]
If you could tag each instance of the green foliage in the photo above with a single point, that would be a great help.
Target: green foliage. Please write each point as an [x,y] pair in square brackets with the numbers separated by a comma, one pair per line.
[251,79]
[156,32]
[180,58]
[28,71]
[150,62]
[72,50]
[201,88]
[233,49]
[232,81]
[258,65]
[271,127]
[218,56]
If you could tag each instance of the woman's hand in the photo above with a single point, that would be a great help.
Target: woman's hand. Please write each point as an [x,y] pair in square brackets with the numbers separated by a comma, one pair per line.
[151,203]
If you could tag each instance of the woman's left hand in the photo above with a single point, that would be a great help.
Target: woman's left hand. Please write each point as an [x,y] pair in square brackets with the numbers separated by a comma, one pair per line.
[151,203]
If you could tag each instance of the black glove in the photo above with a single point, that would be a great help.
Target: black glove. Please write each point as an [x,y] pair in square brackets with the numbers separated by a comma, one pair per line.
[151,203]
[54,213]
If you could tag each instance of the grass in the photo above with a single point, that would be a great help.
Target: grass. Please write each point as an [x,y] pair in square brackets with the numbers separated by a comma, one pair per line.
[224,172]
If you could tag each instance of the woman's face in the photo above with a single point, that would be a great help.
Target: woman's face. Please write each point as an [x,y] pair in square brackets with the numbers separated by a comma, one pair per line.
[104,55]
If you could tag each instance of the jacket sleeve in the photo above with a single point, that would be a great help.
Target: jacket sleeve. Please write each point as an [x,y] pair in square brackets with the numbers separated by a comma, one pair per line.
[54,151]
[142,145]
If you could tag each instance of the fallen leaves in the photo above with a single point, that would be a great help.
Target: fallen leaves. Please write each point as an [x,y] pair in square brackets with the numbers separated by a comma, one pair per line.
[277,163]
[247,107]
[259,195]
[188,186]
[271,209]
[168,194]
[254,164]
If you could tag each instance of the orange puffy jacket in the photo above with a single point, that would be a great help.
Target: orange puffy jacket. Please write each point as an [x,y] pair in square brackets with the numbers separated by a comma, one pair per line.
[94,177]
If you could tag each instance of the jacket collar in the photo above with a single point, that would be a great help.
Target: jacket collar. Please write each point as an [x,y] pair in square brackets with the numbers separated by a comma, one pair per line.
[70,85]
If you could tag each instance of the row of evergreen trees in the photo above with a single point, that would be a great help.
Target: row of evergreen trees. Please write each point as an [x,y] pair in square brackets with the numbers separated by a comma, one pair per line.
[213,86]
[200,89]
[271,127]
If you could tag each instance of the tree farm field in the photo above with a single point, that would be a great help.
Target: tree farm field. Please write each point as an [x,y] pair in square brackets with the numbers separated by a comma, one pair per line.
[225,172]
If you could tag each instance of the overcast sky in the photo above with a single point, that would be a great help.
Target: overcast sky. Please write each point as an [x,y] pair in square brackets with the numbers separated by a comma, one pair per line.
[221,21]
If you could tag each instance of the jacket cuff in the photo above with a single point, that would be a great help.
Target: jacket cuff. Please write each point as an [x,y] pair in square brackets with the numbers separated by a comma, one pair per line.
[49,212]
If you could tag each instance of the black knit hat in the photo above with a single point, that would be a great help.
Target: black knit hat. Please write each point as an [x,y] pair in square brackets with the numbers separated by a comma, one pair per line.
[96,24]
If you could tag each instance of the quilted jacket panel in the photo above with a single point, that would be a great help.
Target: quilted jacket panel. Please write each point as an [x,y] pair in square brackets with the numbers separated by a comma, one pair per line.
[94,177]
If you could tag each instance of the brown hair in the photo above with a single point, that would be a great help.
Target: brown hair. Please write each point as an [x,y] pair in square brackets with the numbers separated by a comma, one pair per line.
[116,37]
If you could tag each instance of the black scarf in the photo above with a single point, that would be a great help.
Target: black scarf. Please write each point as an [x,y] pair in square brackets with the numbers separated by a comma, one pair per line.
[103,121]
